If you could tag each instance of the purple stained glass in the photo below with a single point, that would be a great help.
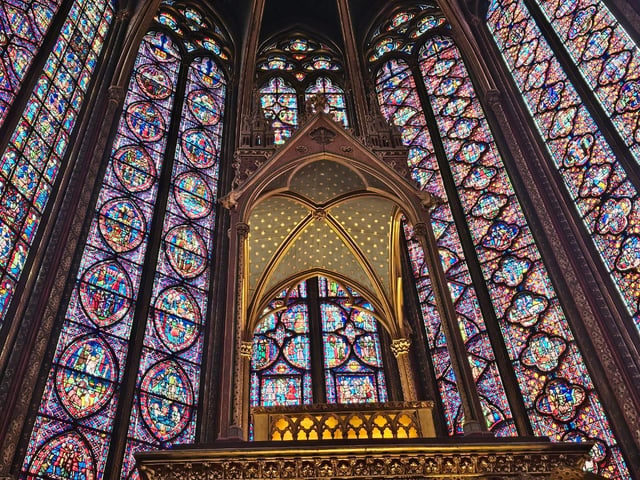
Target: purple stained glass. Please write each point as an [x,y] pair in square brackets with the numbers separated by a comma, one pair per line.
[523,297]
[400,105]
[281,361]
[23,27]
[607,57]
[280,105]
[603,195]
[352,354]
[82,390]
[335,98]
[169,374]
[30,164]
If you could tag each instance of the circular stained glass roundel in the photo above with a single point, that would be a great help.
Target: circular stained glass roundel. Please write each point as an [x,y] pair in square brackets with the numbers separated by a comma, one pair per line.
[134,168]
[121,224]
[193,195]
[204,107]
[199,148]
[176,318]
[105,293]
[64,456]
[85,376]
[145,121]
[153,81]
[166,400]
[186,251]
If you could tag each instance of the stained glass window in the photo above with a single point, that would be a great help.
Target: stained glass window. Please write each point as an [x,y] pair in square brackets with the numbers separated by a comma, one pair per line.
[607,57]
[281,368]
[281,360]
[352,355]
[334,95]
[280,105]
[556,388]
[23,26]
[296,68]
[400,104]
[30,164]
[604,197]
[78,413]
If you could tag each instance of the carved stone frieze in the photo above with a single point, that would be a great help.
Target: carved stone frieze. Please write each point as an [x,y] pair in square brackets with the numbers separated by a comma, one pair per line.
[371,461]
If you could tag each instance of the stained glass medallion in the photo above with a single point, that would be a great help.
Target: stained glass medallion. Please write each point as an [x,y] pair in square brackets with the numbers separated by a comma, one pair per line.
[84,376]
[166,397]
[37,146]
[134,168]
[186,251]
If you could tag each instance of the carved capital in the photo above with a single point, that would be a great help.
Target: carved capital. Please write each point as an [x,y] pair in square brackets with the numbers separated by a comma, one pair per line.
[400,346]
[246,349]
[116,93]
[493,97]
[123,15]
[420,229]
[429,200]
[242,229]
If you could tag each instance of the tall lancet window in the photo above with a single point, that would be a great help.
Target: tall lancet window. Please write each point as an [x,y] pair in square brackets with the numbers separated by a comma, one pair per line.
[38,141]
[292,70]
[321,313]
[145,267]
[594,170]
[424,88]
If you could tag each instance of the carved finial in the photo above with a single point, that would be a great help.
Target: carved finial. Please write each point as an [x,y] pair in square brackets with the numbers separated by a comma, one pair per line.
[246,348]
[400,346]
[316,104]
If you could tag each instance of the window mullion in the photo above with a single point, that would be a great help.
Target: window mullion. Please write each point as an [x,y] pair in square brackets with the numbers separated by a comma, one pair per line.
[317,342]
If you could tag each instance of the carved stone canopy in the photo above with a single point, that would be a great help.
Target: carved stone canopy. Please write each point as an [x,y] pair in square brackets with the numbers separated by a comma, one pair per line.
[325,204]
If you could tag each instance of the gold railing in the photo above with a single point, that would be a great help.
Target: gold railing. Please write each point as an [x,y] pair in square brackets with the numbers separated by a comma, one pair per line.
[337,422]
